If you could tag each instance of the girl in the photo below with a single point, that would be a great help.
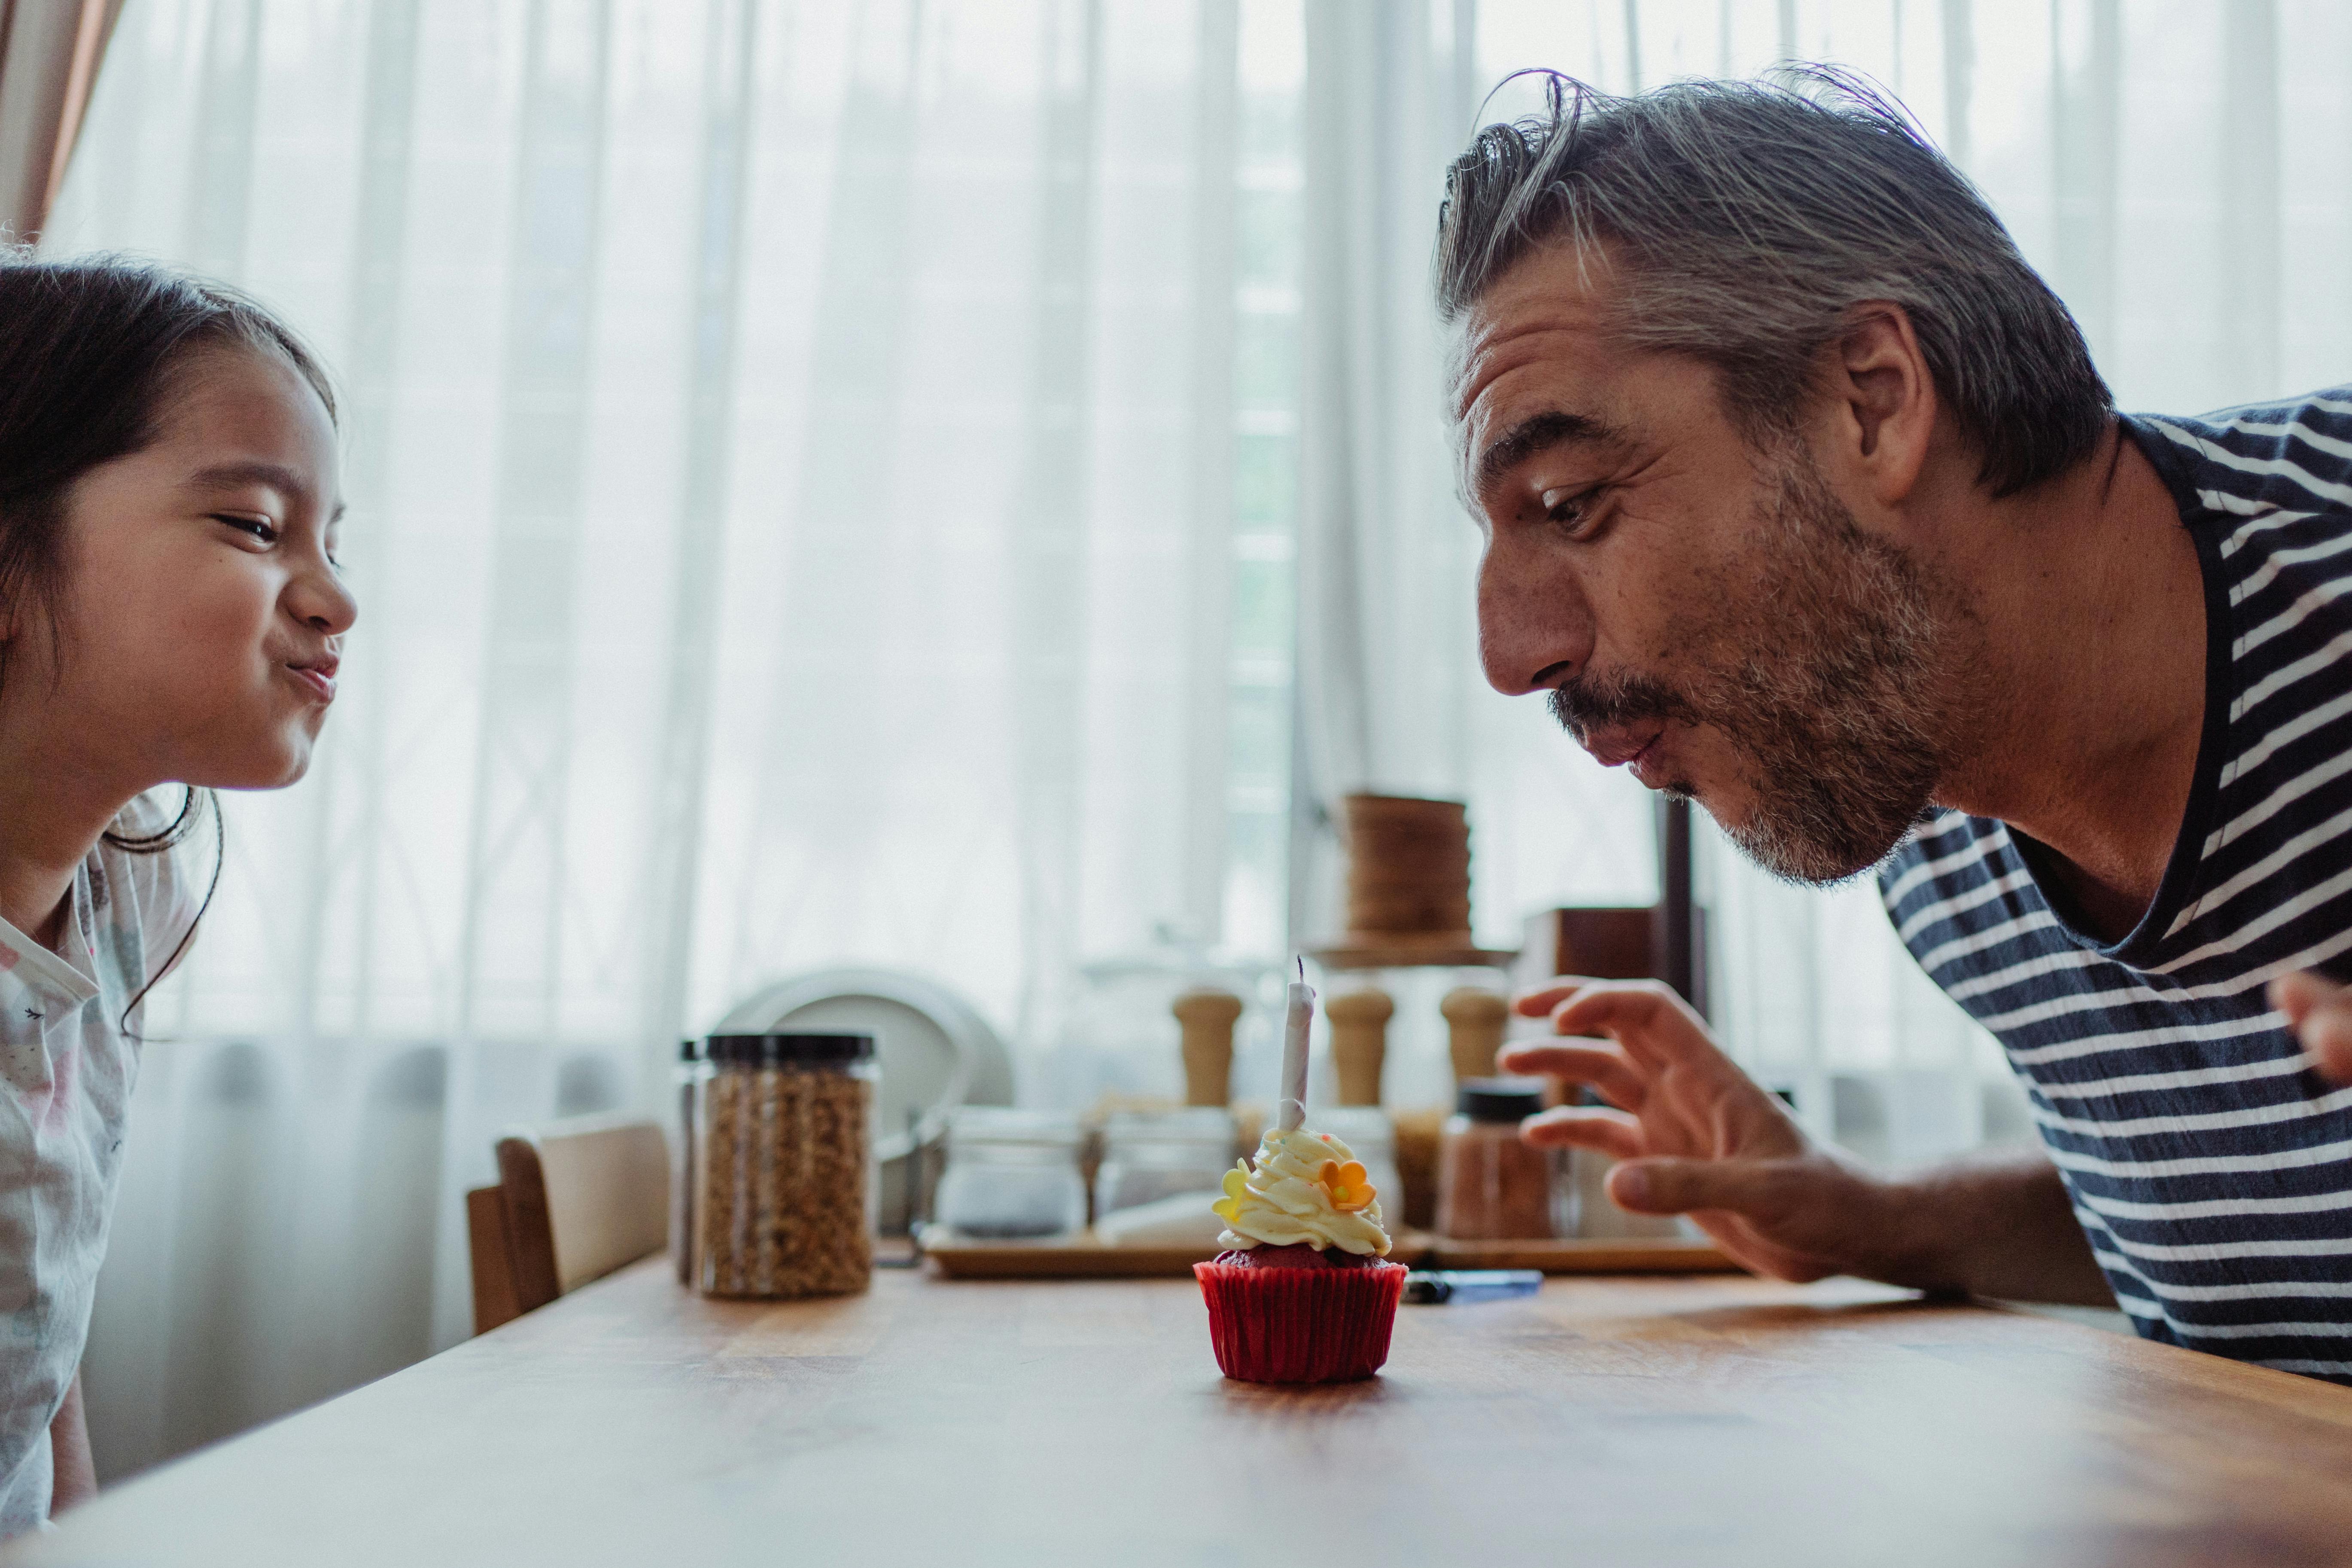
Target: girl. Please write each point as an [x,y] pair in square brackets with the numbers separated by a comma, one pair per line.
[170,613]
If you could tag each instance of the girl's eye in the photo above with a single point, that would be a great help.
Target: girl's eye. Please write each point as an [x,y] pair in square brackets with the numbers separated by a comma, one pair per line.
[260,528]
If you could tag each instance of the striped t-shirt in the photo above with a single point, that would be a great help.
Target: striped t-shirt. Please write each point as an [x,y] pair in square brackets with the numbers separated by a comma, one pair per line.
[2211,1168]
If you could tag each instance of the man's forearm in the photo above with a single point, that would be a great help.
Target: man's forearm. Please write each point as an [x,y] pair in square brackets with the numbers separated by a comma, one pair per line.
[1994,1225]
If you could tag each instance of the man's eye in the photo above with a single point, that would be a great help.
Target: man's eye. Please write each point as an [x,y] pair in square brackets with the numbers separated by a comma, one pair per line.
[1568,507]
[259,528]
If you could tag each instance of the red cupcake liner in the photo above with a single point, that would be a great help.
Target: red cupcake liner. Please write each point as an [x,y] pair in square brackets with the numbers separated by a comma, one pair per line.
[1300,1325]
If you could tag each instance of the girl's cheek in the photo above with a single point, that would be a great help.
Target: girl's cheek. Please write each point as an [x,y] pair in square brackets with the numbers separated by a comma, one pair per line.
[202,629]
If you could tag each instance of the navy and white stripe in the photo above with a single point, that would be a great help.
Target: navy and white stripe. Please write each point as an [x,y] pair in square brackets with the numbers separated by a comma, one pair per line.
[2211,1168]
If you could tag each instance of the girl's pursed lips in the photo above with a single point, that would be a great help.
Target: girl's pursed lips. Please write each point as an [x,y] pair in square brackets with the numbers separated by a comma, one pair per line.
[318,674]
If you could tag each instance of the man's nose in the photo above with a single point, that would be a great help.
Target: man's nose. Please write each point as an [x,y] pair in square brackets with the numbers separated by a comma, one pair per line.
[1533,627]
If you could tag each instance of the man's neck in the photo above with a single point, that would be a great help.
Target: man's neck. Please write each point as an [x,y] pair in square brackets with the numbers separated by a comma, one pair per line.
[2092,614]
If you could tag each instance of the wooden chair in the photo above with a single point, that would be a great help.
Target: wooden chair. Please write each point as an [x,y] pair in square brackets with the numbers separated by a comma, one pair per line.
[575,1199]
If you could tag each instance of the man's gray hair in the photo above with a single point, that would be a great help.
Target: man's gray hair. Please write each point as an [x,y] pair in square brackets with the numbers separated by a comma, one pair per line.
[1744,220]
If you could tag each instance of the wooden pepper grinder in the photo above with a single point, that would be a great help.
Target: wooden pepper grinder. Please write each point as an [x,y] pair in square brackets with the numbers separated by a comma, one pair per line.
[1207,1016]
[1474,1017]
[1360,1042]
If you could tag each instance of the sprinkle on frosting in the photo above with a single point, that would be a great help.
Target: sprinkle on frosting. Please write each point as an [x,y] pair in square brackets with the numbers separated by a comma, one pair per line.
[1306,1187]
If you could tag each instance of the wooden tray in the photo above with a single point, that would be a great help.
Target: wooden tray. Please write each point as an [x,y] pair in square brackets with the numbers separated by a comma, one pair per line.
[1582,1254]
[1081,1257]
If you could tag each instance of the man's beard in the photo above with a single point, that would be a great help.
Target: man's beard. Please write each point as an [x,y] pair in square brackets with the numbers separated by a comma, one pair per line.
[1829,678]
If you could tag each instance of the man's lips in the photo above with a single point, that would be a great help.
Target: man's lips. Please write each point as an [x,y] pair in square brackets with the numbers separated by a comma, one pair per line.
[1612,747]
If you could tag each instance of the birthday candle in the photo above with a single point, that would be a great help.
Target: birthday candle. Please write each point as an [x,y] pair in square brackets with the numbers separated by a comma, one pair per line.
[1292,1109]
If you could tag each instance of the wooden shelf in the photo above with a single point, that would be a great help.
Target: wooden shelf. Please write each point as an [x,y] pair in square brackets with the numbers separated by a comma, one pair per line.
[1405,954]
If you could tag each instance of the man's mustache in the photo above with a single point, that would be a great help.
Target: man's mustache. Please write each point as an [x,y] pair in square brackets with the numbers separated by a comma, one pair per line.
[1590,702]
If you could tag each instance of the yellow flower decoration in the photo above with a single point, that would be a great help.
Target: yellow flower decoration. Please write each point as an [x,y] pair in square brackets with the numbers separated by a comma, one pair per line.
[1229,1207]
[1346,1185]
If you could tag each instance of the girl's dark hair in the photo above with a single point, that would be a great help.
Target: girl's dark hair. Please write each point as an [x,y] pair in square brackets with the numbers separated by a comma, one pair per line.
[88,350]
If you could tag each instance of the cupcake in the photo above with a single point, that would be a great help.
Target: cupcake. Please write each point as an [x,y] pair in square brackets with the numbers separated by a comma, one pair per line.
[1302,1292]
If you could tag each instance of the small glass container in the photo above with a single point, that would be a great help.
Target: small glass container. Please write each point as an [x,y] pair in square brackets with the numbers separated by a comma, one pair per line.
[1597,1214]
[787,1186]
[1011,1174]
[1370,1136]
[1146,1157]
[1492,1185]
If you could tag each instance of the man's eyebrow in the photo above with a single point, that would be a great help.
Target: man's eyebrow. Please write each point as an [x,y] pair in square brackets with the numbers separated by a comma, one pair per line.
[277,476]
[1537,433]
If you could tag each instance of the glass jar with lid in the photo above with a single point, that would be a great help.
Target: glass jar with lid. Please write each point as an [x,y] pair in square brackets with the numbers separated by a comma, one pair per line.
[1492,1185]
[1148,1156]
[784,1161]
[1011,1174]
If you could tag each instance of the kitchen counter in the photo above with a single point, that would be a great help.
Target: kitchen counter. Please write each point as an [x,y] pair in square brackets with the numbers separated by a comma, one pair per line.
[1700,1420]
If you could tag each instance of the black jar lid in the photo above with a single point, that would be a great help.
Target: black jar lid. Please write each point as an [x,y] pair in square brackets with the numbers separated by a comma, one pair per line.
[1499,1098]
[777,1050]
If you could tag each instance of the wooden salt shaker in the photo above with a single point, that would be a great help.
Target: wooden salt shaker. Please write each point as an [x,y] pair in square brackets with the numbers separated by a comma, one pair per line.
[1474,1017]
[1360,1042]
[1207,1016]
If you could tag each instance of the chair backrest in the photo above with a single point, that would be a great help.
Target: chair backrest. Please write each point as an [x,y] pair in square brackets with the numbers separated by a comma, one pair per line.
[575,1199]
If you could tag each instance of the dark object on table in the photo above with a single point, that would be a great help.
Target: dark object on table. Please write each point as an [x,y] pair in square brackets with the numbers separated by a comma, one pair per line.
[1461,1287]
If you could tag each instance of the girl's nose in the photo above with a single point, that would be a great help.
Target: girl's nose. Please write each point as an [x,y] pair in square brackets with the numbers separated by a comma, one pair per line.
[319,597]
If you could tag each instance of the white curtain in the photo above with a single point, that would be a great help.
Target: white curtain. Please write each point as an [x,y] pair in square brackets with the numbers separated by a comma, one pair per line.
[854,479]
[820,486]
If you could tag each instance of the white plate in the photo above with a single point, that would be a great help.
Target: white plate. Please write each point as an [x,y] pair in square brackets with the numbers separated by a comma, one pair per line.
[936,1051]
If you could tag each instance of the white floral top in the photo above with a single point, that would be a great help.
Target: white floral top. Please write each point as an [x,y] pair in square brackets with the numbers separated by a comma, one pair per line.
[65,1071]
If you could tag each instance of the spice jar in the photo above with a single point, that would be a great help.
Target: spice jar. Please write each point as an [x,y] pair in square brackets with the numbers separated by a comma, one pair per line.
[1491,1185]
[1148,1156]
[1012,1174]
[787,1188]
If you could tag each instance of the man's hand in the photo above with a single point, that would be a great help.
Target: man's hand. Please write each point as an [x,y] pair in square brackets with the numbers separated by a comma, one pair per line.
[2319,1011]
[1695,1135]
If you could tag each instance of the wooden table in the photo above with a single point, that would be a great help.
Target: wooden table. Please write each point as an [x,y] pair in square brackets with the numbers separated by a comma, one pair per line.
[1714,1421]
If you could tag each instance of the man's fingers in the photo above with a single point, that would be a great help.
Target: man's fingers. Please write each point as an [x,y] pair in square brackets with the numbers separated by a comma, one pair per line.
[1644,1017]
[2320,1012]
[2297,992]
[1678,1186]
[1633,1003]
[1539,1002]
[1605,1069]
[1612,1132]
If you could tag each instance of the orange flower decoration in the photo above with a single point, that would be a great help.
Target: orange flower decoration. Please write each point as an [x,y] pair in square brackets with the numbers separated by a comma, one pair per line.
[1346,1185]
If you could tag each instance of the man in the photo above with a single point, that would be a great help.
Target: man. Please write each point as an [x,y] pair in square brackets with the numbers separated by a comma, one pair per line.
[1802,499]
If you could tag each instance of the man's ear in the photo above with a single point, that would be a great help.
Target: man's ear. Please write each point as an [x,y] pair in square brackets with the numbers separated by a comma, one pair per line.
[1884,400]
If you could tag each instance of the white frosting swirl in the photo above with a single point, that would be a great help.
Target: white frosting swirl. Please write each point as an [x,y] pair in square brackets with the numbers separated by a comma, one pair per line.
[1289,1198]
